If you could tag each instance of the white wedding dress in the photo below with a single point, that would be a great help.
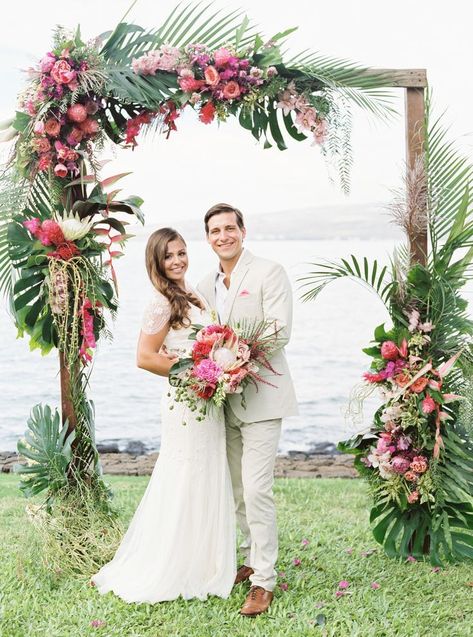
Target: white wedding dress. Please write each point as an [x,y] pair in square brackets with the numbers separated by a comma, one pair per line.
[181,540]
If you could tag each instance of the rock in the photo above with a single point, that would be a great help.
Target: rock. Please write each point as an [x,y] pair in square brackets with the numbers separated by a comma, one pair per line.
[297,455]
[108,447]
[136,447]
[324,448]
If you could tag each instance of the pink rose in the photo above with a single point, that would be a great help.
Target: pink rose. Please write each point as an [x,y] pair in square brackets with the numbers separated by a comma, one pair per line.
[62,72]
[44,162]
[231,90]
[389,350]
[428,405]
[419,385]
[60,170]
[222,56]
[41,144]
[211,76]
[400,464]
[272,71]
[47,63]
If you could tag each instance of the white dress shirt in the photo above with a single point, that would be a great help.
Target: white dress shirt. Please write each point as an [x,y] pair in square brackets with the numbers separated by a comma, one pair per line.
[221,290]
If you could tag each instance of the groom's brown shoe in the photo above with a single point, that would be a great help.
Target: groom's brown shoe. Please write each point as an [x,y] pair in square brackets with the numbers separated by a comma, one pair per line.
[243,574]
[258,601]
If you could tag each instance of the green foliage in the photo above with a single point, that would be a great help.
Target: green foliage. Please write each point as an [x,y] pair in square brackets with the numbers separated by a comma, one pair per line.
[47,448]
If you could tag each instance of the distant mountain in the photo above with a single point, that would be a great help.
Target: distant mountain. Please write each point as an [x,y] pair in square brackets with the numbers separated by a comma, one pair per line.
[364,221]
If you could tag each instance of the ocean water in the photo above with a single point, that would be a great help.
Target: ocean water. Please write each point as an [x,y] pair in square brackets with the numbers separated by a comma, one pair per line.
[324,353]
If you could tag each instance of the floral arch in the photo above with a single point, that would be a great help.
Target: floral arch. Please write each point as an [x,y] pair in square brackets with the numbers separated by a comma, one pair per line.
[62,226]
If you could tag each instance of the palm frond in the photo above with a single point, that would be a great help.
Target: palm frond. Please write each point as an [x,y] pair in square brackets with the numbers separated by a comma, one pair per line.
[370,275]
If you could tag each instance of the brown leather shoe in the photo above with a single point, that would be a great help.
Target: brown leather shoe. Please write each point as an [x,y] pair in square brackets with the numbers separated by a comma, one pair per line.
[243,574]
[258,601]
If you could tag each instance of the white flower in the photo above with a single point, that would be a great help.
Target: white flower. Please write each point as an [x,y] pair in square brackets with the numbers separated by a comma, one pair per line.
[73,227]
[224,358]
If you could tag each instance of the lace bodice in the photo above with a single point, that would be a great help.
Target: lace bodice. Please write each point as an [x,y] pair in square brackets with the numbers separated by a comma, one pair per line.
[158,312]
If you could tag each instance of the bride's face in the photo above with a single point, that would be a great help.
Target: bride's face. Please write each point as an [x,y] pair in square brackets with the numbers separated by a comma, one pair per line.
[175,261]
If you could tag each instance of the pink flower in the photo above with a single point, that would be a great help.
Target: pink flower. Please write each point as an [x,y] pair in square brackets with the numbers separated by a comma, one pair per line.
[411,476]
[47,63]
[307,118]
[283,586]
[52,127]
[212,76]
[89,126]
[207,113]
[305,542]
[428,405]
[375,585]
[400,464]
[231,90]
[74,137]
[77,113]
[190,85]
[38,128]
[222,56]
[60,170]
[208,371]
[419,464]
[403,443]
[411,558]
[44,162]
[419,385]
[40,144]
[413,497]
[320,131]
[62,72]
[296,561]
[98,623]
[51,233]
[389,350]
[272,71]
[32,225]
[344,584]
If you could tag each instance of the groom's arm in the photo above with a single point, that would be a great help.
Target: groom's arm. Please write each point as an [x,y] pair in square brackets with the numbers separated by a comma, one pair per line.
[277,303]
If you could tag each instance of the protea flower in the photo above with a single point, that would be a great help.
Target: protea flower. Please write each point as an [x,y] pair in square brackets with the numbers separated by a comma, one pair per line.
[73,227]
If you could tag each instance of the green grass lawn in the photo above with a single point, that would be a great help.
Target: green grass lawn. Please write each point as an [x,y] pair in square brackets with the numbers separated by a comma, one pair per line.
[412,600]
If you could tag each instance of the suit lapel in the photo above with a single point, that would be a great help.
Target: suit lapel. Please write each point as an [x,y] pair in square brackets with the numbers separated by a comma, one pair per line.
[235,284]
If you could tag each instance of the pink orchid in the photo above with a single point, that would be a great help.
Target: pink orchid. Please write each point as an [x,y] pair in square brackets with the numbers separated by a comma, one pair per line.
[446,367]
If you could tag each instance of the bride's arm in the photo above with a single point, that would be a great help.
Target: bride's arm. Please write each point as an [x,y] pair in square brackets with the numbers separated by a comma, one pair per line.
[148,356]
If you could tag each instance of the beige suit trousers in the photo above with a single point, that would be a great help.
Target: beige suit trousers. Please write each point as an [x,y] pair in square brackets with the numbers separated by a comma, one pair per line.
[251,452]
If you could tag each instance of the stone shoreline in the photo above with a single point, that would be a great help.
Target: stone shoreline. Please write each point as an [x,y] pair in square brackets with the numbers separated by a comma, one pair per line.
[293,465]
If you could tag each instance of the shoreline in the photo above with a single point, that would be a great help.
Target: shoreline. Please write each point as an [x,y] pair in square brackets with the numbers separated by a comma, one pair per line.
[295,464]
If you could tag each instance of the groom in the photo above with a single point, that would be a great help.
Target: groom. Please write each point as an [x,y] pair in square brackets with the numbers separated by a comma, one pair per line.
[249,287]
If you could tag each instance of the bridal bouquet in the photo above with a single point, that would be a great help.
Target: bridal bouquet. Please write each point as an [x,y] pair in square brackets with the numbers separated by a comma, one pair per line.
[223,361]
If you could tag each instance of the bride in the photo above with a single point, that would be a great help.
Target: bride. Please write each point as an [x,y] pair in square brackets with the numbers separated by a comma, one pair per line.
[181,540]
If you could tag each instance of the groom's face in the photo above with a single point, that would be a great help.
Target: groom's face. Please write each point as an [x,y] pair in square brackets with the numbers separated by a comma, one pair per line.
[225,235]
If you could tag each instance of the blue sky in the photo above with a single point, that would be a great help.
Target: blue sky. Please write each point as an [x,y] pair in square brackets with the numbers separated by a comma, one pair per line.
[200,165]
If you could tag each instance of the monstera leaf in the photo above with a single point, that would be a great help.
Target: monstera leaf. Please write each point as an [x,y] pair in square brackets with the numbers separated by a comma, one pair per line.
[47,447]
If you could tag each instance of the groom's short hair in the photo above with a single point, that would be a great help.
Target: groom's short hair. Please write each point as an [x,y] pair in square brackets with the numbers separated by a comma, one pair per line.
[220,208]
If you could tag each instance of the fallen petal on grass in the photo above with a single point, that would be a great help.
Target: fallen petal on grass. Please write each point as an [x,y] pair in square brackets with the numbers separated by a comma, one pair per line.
[98,623]
[436,569]
[339,594]
[343,584]
[284,586]
[349,551]
[375,586]
[296,561]
[411,558]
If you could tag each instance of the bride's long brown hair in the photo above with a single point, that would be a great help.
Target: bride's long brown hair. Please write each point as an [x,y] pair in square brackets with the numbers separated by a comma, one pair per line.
[179,299]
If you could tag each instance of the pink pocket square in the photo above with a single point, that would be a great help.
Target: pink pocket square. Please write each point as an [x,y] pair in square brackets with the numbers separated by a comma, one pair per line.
[244,293]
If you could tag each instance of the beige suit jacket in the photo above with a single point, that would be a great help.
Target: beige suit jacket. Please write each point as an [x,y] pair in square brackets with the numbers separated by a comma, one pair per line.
[260,290]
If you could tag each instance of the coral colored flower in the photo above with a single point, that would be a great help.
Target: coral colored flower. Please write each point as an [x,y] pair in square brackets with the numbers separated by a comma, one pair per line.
[231,90]
[212,76]
[344,584]
[201,350]
[207,113]
[62,72]
[44,162]
[375,586]
[189,84]
[222,56]
[76,113]
[296,561]
[89,126]
[419,464]
[389,350]
[41,144]
[60,170]
[411,476]
[374,378]
[402,380]
[428,405]
[419,385]
[52,127]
